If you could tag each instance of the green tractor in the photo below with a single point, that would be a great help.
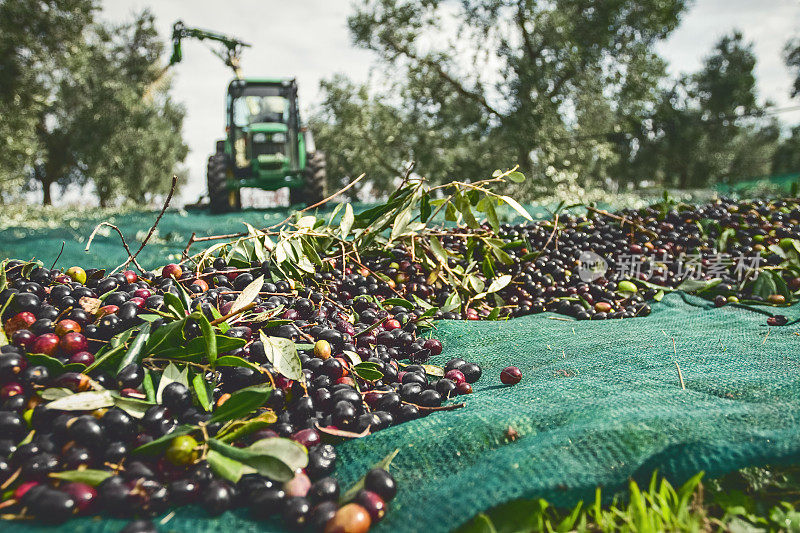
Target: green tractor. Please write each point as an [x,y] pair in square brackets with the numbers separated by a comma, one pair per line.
[266,146]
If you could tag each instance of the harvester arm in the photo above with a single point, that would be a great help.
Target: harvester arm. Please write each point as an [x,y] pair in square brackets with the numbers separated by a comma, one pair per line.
[231,47]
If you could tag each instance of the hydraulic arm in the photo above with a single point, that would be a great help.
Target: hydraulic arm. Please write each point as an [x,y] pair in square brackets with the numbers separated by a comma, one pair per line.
[230,51]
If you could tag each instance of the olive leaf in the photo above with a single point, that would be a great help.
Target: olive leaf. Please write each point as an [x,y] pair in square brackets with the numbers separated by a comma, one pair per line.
[87,476]
[267,460]
[83,401]
[517,207]
[225,467]
[368,371]
[160,444]
[172,374]
[282,353]
[402,302]
[352,356]
[499,283]
[248,295]
[347,221]
[241,403]
[203,390]
[54,393]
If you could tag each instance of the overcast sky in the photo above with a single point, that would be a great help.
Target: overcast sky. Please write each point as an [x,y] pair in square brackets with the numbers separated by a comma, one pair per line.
[308,39]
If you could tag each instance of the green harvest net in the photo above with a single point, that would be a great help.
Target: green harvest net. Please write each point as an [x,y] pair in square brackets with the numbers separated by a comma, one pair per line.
[599,402]
[43,239]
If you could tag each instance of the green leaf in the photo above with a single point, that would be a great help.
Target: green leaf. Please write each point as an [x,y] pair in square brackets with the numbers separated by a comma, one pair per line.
[659,296]
[239,429]
[450,214]
[171,374]
[54,393]
[722,241]
[53,365]
[160,444]
[402,302]
[147,385]
[481,523]
[425,207]
[248,295]
[209,337]
[516,177]
[290,452]
[400,223]
[175,305]
[368,371]
[353,356]
[780,285]
[282,353]
[452,303]
[196,348]
[201,390]
[698,285]
[134,353]
[225,467]
[491,216]
[433,370]
[265,460]
[87,476]
[764,285]
[517,207]
[438,250]
[169,335]
[382,464]
[133,406]
[235,360]
[347,221]
[241,403]
[487,267]
[499,283]
[223,326]
[83,401]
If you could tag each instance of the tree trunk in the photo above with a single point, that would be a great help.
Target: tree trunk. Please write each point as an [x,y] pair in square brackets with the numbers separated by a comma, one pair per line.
[47,197]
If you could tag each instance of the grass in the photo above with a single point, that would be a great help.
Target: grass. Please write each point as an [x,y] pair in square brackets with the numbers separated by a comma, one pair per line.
[748,500]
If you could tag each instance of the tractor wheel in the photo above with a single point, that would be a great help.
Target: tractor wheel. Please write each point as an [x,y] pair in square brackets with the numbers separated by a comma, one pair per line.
[315,179]
[221,199]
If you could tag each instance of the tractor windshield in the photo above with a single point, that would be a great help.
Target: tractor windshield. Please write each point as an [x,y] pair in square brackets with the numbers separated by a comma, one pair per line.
[260,104]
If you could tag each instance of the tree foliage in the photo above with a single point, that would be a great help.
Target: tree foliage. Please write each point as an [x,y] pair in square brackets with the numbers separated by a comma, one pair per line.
[82,102]
[520,79]
[36,36]
[574,93]
[706,126]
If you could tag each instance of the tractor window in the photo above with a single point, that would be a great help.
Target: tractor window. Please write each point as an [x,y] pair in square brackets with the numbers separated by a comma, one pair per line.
[251,109]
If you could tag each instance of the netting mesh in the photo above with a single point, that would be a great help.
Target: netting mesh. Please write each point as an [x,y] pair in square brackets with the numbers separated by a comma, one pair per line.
[599,402]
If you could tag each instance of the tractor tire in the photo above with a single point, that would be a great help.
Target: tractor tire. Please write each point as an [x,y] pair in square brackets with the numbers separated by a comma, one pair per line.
[220,198]
[315,180]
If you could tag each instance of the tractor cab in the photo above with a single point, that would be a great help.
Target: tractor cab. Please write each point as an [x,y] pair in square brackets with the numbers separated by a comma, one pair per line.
[265,147]
[263,130]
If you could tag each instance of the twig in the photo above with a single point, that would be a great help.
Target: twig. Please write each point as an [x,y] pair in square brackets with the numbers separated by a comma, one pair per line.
[11,479]
[59,254]
[552,233]
[121,236]
[153,227]
[767,336]
[222,319]
[680,374]
[622,220]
